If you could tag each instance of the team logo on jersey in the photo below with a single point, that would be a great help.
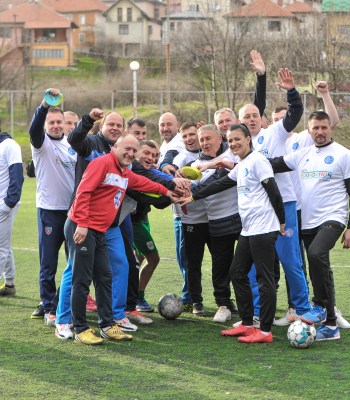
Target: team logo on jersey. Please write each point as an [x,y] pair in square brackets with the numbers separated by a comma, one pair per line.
[71,151]
[48,230]
[295,146]
[243,189]
[117,198]
[264,152]
[150,245]
[329,159]
[289,232]
[324,175]
[94,154]
[246,172]
[261,139]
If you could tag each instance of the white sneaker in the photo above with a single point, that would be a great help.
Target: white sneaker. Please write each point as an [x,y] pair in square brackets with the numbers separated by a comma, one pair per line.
[223,314]
[125,325]
[341,321]
[50,319]
[289,317]
[256,322]
[63,331]
[136,316]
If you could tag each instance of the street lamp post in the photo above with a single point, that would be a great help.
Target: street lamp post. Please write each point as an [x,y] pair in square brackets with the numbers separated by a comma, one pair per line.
[134,66]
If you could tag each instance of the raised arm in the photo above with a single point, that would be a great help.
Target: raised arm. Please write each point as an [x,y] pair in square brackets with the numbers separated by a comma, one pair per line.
[295,105]
[258,65]
[323,89]
[36,129]
[77,138]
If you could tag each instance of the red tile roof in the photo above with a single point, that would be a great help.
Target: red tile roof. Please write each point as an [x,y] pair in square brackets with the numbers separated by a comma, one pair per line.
[71,6]
[261,8]
[35,16]
[299,7]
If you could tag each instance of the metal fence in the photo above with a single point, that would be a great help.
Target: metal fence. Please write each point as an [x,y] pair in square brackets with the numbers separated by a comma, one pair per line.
[17,106]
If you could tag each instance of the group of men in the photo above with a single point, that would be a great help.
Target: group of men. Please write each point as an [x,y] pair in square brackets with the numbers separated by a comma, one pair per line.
[100,181]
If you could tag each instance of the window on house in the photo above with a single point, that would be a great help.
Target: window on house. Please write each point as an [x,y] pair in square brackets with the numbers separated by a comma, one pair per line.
[49,33]
[194,7]
[47,53]
[172,26]
[5,32]
[213,7]
[120,14]
[274,26]
[179,26]
[150,30]
[129,14]
[344,29]
[69,16]
[81,37]
[123,29]
[156,13]
[244,27]
[82,19]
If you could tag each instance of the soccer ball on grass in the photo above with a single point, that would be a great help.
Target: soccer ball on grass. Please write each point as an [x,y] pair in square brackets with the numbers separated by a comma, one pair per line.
[300,334]
[170,306]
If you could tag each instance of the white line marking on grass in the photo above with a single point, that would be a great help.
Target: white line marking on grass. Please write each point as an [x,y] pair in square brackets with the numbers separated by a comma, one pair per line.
[24,249]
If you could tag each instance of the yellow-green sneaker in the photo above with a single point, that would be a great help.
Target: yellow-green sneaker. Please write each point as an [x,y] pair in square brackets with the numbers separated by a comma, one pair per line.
[7,290]
[115,333]
[88,337]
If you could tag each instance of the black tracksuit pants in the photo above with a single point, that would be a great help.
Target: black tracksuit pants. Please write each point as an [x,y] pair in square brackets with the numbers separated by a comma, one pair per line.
[196,237]
[260,250]
[318,243]
[90,263]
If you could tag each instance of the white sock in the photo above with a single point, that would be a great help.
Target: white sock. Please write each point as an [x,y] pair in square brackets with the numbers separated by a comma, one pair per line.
[265,333]
[106,328]
[332,327]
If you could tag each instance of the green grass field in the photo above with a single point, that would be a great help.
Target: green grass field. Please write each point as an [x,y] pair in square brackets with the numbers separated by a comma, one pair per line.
[182,359]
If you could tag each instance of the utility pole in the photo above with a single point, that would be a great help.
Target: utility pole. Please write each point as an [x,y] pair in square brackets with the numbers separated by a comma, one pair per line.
[167,55]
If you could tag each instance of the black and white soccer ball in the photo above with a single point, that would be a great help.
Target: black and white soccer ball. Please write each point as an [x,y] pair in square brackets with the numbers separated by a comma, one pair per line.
[300,334]
[170,306]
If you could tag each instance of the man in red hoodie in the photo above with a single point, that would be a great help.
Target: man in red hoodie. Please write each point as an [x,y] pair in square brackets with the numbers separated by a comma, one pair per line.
[98,199]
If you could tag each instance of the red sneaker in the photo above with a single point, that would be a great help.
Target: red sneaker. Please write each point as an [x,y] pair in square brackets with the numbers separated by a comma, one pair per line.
[257,337]
[240,330]
[91,304]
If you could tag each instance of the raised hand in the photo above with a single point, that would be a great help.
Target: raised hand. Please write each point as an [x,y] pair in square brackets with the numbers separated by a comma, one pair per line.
[286,79]
[257,62]
[322,87]
[96,114]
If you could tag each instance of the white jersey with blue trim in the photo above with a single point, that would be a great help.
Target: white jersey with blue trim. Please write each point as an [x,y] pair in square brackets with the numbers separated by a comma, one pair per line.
[175,143]
[255,208]
[54,163]
[10,153]
[322,171]
[271,142]
[184,158]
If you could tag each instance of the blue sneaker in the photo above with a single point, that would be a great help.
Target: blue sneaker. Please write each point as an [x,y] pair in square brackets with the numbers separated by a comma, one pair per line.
[316,315]
[325,333]
[143,306]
